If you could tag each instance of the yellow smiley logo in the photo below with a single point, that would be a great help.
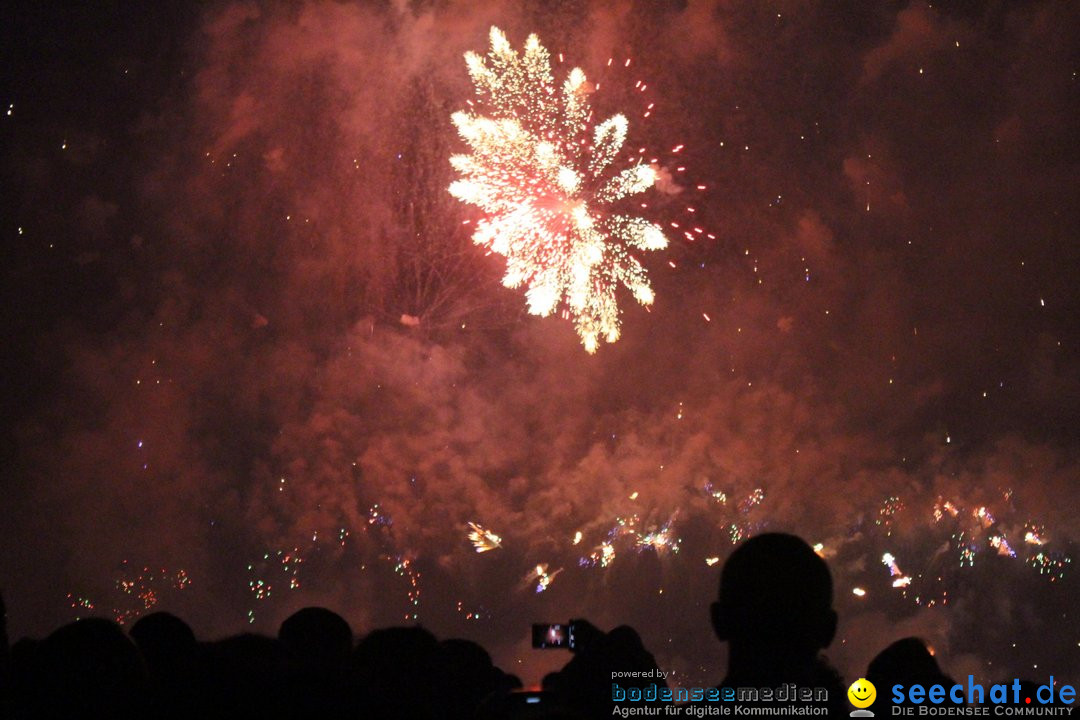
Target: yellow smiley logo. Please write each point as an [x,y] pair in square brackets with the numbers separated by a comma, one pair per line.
[862,692]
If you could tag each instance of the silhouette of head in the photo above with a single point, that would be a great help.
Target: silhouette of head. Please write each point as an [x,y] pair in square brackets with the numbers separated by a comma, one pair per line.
[164,640]
[463,675]
[396,652]
[394,668]
[249,675]
[89,666]
[317,636]
[775,596]
[906,661]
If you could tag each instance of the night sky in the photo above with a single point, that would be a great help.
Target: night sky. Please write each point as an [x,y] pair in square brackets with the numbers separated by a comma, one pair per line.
[218,216]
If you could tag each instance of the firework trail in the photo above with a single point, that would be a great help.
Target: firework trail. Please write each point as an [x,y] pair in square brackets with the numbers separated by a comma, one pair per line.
[545,186]
[541,577]
[483,539]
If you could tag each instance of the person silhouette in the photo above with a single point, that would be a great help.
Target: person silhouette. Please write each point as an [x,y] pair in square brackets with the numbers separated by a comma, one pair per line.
[774,611]
[906,662]
[321,643]
[171,653]
[166,642]
[318,638]
[88,668]
[584,684]
[394,671]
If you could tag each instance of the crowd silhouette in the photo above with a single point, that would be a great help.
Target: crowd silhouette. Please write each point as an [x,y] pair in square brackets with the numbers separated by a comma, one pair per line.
[774,611]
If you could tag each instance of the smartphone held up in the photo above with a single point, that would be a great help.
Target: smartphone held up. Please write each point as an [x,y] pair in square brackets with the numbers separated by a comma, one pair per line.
[553,635]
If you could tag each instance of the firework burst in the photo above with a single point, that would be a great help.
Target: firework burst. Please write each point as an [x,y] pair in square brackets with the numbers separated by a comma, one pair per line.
[483,540]
[542,175]
[541,577]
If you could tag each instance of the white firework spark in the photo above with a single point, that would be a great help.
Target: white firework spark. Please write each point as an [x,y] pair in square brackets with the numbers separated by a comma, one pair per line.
[544,183]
